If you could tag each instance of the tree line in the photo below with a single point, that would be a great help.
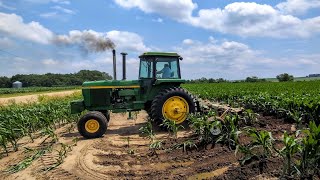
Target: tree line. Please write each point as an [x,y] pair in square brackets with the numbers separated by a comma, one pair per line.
[281,78]
[54,80]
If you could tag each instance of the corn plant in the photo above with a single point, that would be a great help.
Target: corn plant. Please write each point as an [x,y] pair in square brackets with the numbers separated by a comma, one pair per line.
[249,117]
[297,117]
[203,128]
[291,148]
[259,148]
[147,131]
[129,150]
[310,161]
[156,145]
[28,160]
[172,126]
[229,131]
[186,146]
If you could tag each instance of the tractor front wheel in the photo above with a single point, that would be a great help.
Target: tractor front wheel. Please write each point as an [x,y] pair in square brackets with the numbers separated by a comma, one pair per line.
[173,104]
[92,125]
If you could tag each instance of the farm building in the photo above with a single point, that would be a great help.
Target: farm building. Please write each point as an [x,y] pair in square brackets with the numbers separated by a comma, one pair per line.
[17,84]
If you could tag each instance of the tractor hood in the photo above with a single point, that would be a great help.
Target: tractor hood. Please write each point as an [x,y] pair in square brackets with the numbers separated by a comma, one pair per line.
[111,84]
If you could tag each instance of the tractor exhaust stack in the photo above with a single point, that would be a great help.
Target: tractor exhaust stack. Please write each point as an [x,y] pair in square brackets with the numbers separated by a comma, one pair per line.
[114,65]
[124,65]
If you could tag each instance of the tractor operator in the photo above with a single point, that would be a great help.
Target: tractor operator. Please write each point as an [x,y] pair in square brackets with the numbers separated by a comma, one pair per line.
[166,71]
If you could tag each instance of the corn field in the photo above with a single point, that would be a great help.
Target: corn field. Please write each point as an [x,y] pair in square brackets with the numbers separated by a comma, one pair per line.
[18,120]
[297,101]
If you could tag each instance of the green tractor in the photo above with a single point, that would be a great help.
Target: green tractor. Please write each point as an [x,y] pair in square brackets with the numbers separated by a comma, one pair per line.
[157,91]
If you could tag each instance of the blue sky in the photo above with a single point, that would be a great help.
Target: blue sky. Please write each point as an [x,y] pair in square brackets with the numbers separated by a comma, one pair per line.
[217,38]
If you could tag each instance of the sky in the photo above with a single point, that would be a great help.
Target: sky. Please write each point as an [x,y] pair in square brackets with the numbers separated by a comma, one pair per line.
[216,38]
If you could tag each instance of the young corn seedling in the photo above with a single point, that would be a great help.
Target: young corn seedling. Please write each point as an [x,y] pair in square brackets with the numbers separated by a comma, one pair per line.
[259,148]
[229,131]
[147,131]
[291,147]
[27,161]
[205,129]
[310,160]
[156,145]
[172,127]
[297,117]
[250,117]
[129,150]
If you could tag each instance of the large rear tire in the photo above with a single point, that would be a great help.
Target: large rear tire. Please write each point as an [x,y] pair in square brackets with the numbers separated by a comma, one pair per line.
[92,125]
[173,104]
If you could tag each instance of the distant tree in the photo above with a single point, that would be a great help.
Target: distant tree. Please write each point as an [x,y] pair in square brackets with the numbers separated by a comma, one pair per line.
[221,80]
[285,77]
[5,82]
[50,79]
[254,79]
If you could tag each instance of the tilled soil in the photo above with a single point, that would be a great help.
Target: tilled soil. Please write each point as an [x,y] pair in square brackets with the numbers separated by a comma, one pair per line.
[122,154]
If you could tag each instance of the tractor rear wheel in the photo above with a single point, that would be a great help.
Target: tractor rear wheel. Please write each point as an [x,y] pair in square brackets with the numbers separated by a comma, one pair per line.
[173,104]
[92,125]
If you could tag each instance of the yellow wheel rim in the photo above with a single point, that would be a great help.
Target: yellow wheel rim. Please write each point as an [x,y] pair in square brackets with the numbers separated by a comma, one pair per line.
[176,109]
[92,126]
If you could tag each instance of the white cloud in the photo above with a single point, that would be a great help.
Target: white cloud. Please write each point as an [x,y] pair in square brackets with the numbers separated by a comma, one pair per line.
[159,20]
[61,2]
[49,62]
[235,60]
[2,5]
[5,42]
[187,41]
[65,2]
[225,52]
[49,14]
[178,9]
[251,19]
[127,41]
[241,18]
[13,25]
[64,10]
[297,6]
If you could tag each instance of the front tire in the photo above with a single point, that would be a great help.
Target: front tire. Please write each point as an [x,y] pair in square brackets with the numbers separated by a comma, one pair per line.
[173,104]
[92,125]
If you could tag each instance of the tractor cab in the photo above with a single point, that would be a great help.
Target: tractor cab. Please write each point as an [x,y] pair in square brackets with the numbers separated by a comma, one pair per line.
[159,65]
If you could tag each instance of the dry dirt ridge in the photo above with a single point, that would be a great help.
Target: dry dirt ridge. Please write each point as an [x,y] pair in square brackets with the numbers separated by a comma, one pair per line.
[34,97]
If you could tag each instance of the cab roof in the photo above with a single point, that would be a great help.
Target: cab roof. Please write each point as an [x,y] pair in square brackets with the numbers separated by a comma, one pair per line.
[170,54]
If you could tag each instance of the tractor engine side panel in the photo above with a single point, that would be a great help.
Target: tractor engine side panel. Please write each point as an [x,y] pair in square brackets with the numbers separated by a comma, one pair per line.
[97,97]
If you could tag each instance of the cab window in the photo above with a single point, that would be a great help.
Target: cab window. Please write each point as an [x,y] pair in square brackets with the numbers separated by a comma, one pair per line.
[146,69]
[167,68]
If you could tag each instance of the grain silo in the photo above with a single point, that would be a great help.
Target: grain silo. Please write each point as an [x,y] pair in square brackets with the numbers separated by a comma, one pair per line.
[17,84]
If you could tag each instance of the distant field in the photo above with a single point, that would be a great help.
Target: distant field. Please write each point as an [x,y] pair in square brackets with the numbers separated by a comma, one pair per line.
[6,92]
[296,79]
